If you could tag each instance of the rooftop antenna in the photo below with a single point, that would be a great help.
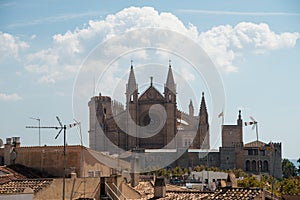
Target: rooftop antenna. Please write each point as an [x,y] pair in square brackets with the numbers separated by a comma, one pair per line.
[82,156]
[39,122]
[61,127]
[254,124]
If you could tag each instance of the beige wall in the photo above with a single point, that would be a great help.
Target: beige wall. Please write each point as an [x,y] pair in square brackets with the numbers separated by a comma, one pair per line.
[49,159]
[92,164]
[75,188]
[78,158]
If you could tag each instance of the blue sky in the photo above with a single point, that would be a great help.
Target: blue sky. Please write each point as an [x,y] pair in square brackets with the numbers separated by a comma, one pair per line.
[254,44]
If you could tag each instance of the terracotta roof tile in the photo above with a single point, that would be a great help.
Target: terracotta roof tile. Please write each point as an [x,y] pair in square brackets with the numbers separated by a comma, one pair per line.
[9,174]
[18,186]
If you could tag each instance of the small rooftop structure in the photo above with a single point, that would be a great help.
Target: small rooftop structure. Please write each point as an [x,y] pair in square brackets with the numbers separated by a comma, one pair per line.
[207,176]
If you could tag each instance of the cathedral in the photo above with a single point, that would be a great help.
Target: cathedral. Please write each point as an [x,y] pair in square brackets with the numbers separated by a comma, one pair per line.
[150,120]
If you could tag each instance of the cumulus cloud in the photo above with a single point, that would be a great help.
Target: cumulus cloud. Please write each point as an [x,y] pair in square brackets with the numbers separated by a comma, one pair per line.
[9,97]
[222,43]
[10,46]
[68,50]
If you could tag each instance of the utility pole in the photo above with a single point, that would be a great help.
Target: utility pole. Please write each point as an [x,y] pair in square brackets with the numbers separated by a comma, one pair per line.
[61,127]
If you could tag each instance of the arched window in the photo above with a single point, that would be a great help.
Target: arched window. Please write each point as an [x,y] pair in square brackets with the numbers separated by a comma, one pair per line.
[253,165]
[248,165]
[266,166]
[131,98]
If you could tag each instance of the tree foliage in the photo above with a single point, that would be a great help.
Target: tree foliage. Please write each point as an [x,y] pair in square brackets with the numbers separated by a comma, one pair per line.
[298,161]
[290,186]
[288,169]
[249,181]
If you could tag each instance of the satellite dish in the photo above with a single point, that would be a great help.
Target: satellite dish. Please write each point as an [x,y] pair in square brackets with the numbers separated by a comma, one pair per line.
[1,142]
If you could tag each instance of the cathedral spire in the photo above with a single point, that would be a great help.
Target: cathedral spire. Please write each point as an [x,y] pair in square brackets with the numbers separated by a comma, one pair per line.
[191,108]
[131,85]
[239,120]
[203,110]
[170,84]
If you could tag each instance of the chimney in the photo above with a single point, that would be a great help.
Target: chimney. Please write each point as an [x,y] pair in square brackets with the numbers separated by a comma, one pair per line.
[8,141]
[16,141]
[159,187]
[7,150]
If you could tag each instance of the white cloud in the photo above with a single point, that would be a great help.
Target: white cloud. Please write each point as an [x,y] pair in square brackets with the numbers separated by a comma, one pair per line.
[10,46]
[69,49]
[33,36]
[9,97]
[222,43]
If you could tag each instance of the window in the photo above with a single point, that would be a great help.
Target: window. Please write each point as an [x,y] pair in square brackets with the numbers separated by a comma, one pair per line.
[90,174]
[97,173]
[265,166]
[253,165]
[248,165]
[131,98]
[252,152]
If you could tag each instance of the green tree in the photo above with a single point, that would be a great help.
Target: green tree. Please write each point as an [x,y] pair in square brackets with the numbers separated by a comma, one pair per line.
[199,168]
[298,161]
[237,172]
[290,186]
[288,169]
[177,171]
[249,181]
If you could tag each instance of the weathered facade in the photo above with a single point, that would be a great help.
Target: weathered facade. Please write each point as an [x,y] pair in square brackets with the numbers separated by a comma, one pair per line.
[149,121]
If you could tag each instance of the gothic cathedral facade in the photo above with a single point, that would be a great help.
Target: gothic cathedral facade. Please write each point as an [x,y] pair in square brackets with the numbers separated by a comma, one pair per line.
[148,121]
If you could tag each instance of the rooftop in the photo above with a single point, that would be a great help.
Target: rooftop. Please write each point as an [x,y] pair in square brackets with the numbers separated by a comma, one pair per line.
[18,186]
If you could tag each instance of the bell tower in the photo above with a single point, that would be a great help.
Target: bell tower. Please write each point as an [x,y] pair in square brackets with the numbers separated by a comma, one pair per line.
[132,109]
[171,107]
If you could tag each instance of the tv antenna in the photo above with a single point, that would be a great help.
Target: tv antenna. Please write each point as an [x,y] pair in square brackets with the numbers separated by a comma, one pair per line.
[39,121]
[60,127]
[254,124]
